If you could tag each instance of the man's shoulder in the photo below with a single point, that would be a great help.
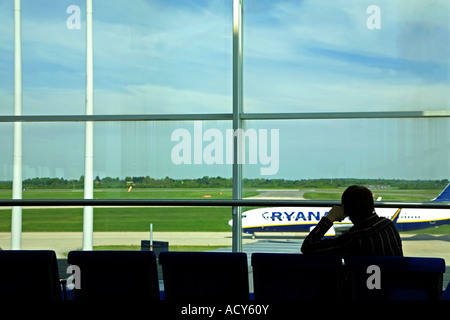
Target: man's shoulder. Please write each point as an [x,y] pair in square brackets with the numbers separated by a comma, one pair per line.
[373,222]
[384,220]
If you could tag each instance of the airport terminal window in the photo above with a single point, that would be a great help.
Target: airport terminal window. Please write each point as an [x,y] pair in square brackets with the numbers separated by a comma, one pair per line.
[410,149]
[158,160]
[6,59]
[6,156]
[53,150]
[53,59]
[343,56]
[159,149]
[173,57]
[176,57]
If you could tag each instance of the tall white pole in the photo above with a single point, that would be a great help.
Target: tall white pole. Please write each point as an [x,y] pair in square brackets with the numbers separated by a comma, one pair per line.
[88,214]
[16,218]
[237,121]
[151,236]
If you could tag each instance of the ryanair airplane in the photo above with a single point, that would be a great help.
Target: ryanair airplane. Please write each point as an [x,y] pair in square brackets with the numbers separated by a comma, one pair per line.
[304,219]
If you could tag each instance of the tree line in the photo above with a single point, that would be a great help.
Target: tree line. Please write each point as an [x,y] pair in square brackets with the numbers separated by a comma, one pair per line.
[221,182]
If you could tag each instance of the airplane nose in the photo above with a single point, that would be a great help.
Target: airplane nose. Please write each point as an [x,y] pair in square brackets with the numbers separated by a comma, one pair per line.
[230,223]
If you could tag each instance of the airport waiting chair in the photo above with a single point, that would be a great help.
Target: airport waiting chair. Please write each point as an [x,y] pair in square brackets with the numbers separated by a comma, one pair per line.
[395,278]
[29,275]
[446,294]
[287,276]
[115,275]
[206,276]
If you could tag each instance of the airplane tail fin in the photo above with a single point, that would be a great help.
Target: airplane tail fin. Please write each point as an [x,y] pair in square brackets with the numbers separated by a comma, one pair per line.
[444,195]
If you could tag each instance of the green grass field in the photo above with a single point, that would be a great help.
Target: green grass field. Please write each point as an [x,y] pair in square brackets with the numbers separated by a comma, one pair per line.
[212,219]
[124,194]
[386,195]
[124,219]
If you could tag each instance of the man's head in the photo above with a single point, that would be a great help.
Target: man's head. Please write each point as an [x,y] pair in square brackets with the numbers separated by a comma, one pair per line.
[357,202]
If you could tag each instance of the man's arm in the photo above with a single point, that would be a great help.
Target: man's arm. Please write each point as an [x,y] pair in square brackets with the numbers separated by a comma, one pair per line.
[314,243]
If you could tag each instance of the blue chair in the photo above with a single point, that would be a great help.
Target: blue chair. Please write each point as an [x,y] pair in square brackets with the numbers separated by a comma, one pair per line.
[29,275]
[395,278]
[205,276]
[446,294]
[116,275]
[287,276]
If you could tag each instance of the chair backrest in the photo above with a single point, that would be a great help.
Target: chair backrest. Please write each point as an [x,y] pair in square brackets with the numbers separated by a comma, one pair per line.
[395,278]
[29,275]
[446,294]
[116,275]
[287,276]
[208,276]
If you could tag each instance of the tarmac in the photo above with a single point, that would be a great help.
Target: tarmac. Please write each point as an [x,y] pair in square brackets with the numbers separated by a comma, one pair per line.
[63,242]
[418,245]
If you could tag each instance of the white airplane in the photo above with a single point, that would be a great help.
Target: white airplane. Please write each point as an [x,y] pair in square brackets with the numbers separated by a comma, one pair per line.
[304,219]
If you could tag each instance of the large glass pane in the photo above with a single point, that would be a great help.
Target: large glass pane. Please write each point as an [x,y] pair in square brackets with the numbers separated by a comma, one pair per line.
[163,160]
[338,56]
[384,149]
[53,156]
[52,168]
[163,154]
[400,160]
[53,57]
[162,56]
[133,160]
[6,58]
[6,156]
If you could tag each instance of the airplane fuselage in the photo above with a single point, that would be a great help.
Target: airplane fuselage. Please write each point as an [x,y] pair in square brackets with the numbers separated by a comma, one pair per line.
[302,219]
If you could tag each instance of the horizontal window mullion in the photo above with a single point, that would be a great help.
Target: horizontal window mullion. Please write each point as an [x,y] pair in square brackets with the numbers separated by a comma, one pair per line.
[205,202]
[229,116]
[137,117]
[345,115]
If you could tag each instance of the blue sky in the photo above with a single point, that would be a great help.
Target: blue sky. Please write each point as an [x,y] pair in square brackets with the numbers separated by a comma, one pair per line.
[176,57]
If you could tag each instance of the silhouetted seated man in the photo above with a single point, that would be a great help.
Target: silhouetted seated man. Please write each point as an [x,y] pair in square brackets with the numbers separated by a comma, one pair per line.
[369,235]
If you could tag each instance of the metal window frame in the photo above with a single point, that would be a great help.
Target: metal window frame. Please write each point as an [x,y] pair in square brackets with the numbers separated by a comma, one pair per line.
[237,116]
[234,116]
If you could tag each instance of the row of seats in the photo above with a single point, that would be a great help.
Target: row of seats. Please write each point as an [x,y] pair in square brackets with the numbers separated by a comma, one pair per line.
[214,276]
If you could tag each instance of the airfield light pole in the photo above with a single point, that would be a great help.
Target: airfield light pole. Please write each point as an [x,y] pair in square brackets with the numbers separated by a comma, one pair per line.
[237,122]
[88,211]
[16,217]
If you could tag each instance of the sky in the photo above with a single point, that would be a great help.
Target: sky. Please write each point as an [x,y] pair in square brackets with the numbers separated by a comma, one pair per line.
[160,56]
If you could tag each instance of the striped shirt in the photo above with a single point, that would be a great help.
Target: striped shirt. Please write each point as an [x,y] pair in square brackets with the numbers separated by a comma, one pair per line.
[374,236]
